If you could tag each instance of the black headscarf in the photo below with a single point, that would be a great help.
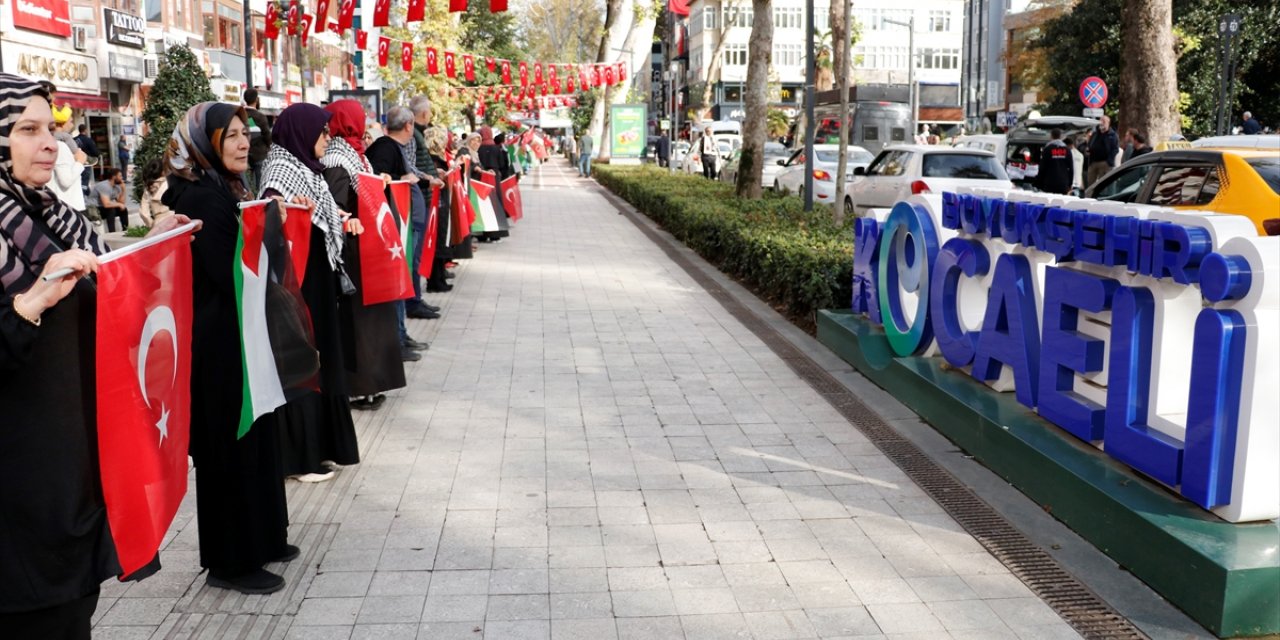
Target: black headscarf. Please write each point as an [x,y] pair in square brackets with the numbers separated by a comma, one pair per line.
[195,148]
[297,130]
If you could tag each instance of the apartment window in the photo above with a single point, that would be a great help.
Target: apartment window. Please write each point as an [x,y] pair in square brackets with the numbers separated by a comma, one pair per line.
[787,55]
[788,18]
[735,53]
[866,57]
[820,19]
[210,31]
[737,16]
[939,20]
[709,18]
[940,58]
[874,19]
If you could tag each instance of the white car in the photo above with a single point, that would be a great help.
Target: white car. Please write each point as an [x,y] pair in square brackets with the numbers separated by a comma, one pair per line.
[826,159]
[903,170]
[678,151]
[773,152]
[996,143]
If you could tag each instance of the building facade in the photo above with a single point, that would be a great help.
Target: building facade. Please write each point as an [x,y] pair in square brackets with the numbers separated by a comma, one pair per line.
[983,60]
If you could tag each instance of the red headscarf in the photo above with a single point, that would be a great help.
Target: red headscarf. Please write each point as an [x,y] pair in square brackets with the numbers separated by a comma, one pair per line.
[347,122]
[486,135]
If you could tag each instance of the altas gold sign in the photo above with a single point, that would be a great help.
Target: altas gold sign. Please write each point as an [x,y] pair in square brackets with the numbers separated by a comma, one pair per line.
[52,69]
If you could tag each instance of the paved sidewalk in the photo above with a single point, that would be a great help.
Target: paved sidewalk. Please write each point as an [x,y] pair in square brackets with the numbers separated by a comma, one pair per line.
[594,449]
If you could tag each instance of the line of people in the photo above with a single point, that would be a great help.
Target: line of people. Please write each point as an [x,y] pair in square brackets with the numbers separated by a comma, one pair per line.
[55,546]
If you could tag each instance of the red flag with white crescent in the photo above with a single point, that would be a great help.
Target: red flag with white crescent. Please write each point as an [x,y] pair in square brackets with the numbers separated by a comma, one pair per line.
[551,73]
[143,390]
[416,11]
[346,15]
[524,74]
[595,76]
[457,5]
[362,39]
[429,238]
[304,29]
[382,13]
[537,73]
[497,6]
[433,61]
[291,18]
[385,269]
[450,65]
[460,205]
[384,45]
[678,7]
[468,67]
[322,15]
[622,72]
[271,23]
[608,75]
[506,72]
[490,63]
[406,56]
[511,203]
[569,87]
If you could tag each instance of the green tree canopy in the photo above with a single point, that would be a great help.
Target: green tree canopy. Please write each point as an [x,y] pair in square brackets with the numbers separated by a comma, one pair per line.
[180,84]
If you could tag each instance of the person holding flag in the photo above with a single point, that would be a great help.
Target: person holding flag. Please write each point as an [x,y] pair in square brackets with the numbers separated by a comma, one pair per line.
[375,366]
[436,139]
[58,549]
[317,428]
[491,158]
[240,505]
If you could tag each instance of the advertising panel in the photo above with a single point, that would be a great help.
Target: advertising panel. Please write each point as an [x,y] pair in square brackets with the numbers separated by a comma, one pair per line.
[628,130]
[46,16]
[124,29]
[69,71]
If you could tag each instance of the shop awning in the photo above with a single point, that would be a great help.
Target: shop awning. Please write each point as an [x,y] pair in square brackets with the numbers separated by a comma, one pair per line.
[83,101]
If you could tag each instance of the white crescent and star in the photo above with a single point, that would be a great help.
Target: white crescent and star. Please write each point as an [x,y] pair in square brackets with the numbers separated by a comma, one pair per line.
[160,319]
[395,249]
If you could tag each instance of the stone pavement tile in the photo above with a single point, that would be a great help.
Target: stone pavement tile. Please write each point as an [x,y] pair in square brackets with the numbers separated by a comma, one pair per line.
[904,618]
[136,633]
[581,605]
[165,584]
[825,595]
[765,598]
[704,601]
[957,615]
[884,591]
[578,580]
[596,629]
[138,611]
[452,583]
[398,583]
[942,589]
[384,632]
[576,557]
[643,555]
[654,602]
[780,625]
[696,577]
[519,607]
[454,608]
[339,584]
[391,609]
[520,557]
[518,581]
[1058,631]
[997,586]
[810,572]
[328,611]
[636,578]
[989,633]
[518,629]
[742,552]
[653,628]
[720,626]
[843,621]
[753,574]
[451,630]
[627,534]
[1024,612]
[295,632]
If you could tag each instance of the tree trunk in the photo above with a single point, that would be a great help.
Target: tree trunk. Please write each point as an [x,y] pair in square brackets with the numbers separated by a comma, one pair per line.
[600,114]
[839,37]
[1148,72]
[846,123]
[754,132]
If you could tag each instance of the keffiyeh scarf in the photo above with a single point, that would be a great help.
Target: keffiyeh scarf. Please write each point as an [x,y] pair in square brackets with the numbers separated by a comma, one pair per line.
[286,174]
[339,154]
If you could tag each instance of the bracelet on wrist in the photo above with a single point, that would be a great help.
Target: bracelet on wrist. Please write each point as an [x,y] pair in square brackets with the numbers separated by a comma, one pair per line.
[34,322]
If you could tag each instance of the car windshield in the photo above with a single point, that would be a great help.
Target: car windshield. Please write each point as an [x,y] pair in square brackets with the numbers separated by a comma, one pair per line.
[1269,170]
[774,149]
[856,156]
[962,165]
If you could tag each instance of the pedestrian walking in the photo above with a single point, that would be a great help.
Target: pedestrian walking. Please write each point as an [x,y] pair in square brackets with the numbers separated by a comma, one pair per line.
[1104,144]
[108,194]
[92,156]
[571,149]
[585,147]
[664,150]
[709,149]
[122,154]
[315,428]
[241,513]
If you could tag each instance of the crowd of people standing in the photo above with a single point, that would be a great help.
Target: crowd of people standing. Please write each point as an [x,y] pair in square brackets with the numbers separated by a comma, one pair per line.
[60,549]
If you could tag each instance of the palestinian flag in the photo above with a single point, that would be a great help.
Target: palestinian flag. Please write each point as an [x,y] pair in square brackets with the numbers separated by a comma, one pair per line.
[482,202]
[386,246]
[277,346]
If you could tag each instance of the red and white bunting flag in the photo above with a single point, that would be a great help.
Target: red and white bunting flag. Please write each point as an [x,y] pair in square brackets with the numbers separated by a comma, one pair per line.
[362,39]
[305,28]
[497,6]
[608,75]
[385,246]
[144,391]
[524,74]
[417,11]
[551,73]
[469,67]
[537,73]
[595,76]
[271,26]
[382,13]
[292,17]
[490,63]
[322,15]
[457,5]
[678,7]
[506,72]
[406,56]
[480,109]
[622,72]
[384,46]
[450,65]
[569,86]
[346,15]
[433,61]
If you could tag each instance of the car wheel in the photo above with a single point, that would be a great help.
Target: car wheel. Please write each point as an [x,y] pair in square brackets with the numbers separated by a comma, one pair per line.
[848,208]
[777,188]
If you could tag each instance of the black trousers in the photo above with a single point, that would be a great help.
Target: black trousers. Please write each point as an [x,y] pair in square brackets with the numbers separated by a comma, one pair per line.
[113,214]
[69,621]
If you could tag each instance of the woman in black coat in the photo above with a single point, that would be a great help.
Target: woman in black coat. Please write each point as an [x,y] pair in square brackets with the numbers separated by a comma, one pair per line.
[240,504]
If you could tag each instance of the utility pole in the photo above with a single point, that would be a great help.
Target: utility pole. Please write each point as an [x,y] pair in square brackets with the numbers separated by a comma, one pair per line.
[810,78]
[248,46]
[846,123]
[913,99]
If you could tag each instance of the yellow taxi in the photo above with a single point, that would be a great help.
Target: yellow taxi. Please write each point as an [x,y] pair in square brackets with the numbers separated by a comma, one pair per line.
[1242,181]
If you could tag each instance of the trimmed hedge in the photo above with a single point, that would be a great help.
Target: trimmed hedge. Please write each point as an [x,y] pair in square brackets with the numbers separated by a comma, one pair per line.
[799,261]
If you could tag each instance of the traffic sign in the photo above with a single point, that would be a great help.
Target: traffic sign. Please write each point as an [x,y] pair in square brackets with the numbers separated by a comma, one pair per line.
[1006,119]
[1092,113]
[1093,92]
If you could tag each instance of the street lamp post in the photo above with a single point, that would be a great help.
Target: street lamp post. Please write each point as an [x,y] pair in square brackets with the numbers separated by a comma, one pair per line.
[810,78]
[674,134]
[912,94]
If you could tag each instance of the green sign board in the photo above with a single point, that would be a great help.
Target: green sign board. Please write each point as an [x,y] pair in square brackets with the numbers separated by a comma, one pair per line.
[628,130]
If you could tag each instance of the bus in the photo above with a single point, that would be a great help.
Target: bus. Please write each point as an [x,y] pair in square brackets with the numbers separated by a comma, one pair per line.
[878,116]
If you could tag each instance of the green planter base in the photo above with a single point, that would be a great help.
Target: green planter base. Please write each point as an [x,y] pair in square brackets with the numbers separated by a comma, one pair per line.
[1225,576]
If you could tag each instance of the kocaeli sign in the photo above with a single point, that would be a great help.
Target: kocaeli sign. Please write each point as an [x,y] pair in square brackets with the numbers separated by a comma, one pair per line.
[45,16]
[1153,334]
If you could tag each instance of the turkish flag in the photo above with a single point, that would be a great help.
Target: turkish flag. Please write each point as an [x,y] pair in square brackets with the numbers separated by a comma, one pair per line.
[622,72]
[381,13]
[469,67]
[506,72]
[490,63]
[384,44]
[384,245]
[537,73]
[551,73]
[143,389]
[608,75]
[524,74]
[271,26]
[291,18]
[457,5]
[322,15]
[460,214]
[497,6]
[406,56]
[362,39]
[429,238]
[416,11]
[304,28]
[511,203]
[450,66]
[595,76]
[569,86]
[346,15]
[433,61]
[678,7]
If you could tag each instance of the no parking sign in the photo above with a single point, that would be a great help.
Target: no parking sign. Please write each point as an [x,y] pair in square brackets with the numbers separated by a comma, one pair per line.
[1093,92]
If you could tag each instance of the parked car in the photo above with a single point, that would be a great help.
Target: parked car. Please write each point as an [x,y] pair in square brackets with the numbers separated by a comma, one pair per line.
[773,152]
[1023,144]
[826,159]
[1240,181]
[678,152]
[996,143]
[903,170]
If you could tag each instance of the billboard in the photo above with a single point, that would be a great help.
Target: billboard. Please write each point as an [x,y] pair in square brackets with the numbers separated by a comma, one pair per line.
[627,130]
[45,16]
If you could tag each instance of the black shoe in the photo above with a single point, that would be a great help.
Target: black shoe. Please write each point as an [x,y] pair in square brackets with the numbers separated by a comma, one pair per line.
[368,402]
[440,288]
[422,314]
[409,355]
[448,275]
[430,307]
[256,581]
[410,343]
[291,553]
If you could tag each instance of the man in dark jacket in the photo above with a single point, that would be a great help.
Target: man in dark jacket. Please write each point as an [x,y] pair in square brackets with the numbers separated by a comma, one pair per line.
[1104,144]
[428,179]
[1249,127]
[1055,165]
[259,136]
[90,149]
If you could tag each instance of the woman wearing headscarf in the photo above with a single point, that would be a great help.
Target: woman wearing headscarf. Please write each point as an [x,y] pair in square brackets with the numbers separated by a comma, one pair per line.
[490,158]
[240,503]
[437,140]
[316,428]
[375,365]
[55,546]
